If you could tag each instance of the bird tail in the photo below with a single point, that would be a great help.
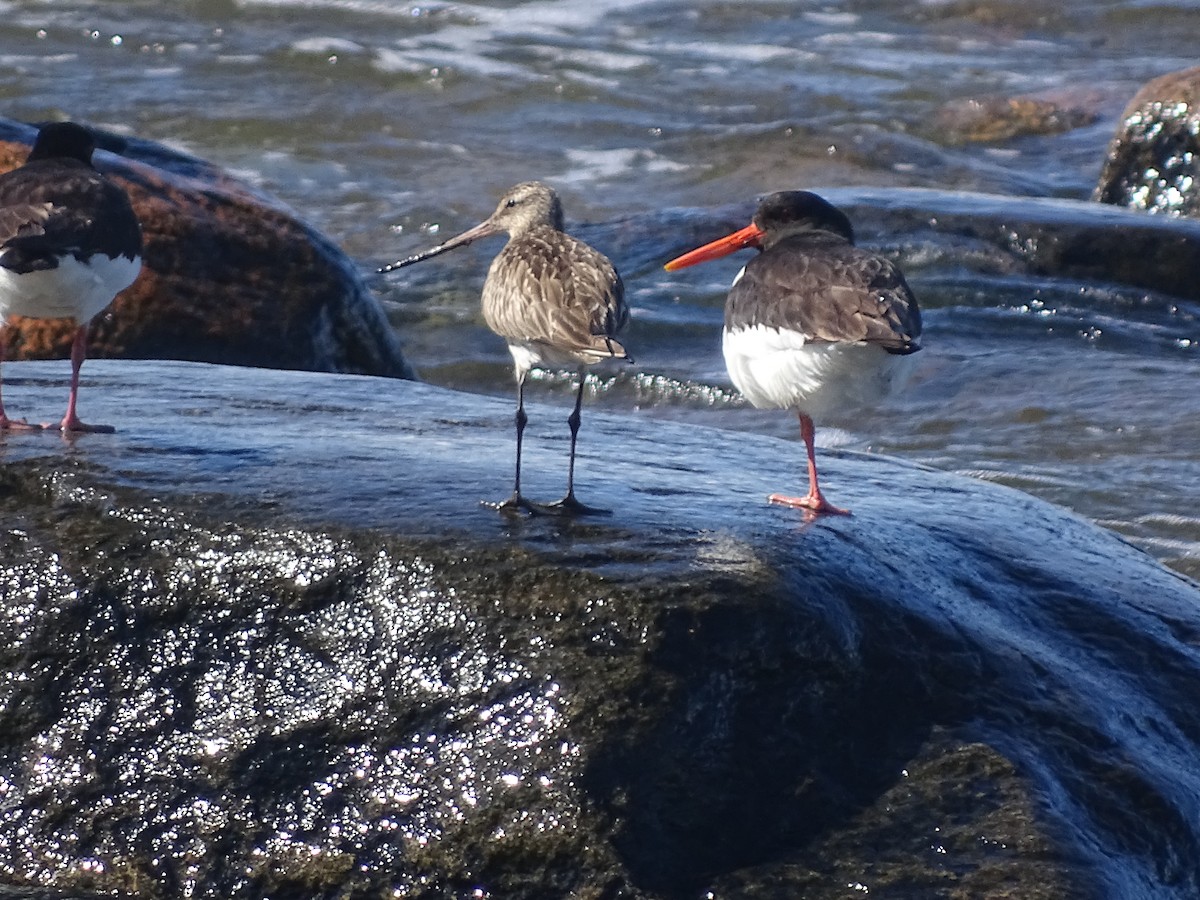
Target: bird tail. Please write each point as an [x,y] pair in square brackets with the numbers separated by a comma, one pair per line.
[606,347]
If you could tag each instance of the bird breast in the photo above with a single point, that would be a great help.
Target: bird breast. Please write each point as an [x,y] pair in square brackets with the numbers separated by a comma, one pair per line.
[555,296]
[777,368]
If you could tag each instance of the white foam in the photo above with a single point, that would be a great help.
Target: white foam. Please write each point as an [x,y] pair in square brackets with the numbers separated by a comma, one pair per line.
[324,45]
[361,7]
[479,46]
[604,165]
[833,18]
[722,54]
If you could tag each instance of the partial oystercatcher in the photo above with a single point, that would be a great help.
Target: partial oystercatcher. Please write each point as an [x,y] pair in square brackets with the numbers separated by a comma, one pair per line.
[69,243]
[556,301]
[812,323]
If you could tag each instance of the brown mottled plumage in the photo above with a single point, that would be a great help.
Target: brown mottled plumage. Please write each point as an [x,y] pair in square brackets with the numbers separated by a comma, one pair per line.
[556,301]
[555,295]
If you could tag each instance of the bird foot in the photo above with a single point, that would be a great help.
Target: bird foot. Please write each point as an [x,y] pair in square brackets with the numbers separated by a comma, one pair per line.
[812,502]
[7,424]
[73,425]
[569,506]
[514,505]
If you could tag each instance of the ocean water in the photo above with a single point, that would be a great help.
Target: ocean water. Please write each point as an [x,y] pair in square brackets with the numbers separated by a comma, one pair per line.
[392,125]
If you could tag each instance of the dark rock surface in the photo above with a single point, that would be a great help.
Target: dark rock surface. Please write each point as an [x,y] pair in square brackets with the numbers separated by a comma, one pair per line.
[997,118]
[1153,161]
[229,276]
[1010,237]
[263,641]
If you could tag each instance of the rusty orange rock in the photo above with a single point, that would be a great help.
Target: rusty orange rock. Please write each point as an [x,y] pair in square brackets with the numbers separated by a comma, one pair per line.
[228,276]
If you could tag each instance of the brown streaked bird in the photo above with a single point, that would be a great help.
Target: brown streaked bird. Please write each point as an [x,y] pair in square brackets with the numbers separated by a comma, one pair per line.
[69,243]
[812,323]
[556,301]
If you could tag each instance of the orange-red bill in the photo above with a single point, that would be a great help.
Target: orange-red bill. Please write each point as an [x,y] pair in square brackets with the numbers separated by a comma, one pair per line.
[739,240]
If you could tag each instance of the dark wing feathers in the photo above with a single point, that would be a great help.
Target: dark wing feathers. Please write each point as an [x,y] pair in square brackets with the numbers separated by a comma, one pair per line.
[830,292]
[54,208]
[549,287]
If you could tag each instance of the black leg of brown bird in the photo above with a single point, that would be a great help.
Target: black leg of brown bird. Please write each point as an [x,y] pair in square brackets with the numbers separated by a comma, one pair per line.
[569,503]
[573,422]
[516,501]
[813,500]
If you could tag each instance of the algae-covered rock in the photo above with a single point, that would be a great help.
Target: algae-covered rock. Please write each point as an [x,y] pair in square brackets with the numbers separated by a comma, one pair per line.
[242,656]
[1153,162]
[1047,237]
[998,118]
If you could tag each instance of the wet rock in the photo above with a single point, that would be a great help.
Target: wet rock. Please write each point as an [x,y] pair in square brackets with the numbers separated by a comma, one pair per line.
[954,800]
[243,654]
[992,119]
[1153,162]
[1071,240]
[229,276]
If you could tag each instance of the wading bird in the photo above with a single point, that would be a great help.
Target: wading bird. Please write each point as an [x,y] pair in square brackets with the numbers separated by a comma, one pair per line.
[812,323]
[69,243]
[556,301]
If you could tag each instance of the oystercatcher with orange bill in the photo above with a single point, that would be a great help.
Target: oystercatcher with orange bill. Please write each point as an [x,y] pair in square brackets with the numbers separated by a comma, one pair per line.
[556,301]
[812,323]
[69,243]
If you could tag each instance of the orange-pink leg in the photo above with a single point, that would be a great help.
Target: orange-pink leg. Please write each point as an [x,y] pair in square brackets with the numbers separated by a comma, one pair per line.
[5,422]
[813,500]
[71,421]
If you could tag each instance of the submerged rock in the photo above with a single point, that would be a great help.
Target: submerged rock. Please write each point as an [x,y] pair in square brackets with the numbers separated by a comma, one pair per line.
[995,118]
[1153,162]
[228,276]
[977,233]
[243,654]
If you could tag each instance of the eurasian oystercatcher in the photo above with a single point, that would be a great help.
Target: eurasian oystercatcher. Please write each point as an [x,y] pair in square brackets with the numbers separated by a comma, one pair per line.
[812,323]
[69,243]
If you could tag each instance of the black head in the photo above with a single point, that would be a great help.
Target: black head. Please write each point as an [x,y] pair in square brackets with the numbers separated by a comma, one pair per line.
[63,140]
[796,212]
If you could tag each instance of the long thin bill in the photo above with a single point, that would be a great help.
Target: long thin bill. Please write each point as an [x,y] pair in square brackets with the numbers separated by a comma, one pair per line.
[483,229]
[739,240]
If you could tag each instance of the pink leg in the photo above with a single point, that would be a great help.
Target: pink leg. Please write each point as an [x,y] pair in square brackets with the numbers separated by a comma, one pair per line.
[5,422]
[813,500]
[71,421]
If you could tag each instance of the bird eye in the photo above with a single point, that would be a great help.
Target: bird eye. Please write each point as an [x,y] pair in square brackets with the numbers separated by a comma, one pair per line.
[511,203]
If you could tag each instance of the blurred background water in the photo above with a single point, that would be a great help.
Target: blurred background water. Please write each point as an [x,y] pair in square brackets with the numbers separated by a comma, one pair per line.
[392,125]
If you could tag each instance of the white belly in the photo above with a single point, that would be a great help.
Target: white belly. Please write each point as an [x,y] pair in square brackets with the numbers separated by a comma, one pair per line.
[73,290]
[779,369]
[538,355]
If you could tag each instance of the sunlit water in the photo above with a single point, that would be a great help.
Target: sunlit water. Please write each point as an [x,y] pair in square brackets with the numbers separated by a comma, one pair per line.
[389,125]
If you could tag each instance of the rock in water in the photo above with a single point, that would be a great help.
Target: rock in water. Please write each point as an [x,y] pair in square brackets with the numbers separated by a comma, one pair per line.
[229,276]
[1153,162]
[998,118]
[240,659]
